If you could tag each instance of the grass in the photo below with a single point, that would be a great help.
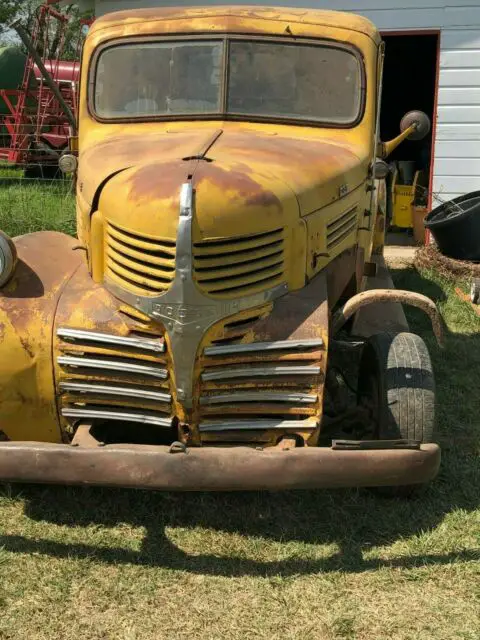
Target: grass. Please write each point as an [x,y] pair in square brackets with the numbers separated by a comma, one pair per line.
[131,565]
[30,205]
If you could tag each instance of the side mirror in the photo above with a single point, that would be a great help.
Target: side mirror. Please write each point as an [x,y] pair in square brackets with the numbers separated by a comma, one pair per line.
[414,125]
[418,118]
[380,169]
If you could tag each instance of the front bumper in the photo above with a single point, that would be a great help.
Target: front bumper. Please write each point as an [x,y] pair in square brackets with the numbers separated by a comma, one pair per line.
[215,469]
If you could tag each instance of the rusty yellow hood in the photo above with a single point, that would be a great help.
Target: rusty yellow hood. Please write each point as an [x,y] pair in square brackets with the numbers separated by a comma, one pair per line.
[245,181]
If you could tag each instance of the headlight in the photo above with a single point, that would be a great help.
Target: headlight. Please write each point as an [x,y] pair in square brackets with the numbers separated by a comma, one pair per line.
[8,258]
[68,163]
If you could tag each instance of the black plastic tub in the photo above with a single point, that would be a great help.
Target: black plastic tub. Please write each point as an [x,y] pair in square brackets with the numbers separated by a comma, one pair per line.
[455,226]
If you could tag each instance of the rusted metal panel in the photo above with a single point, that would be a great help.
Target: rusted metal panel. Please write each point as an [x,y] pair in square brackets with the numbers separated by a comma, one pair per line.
[298,316]
[252,19]
[89,307]
[215,468]
[46,262]
[389,295]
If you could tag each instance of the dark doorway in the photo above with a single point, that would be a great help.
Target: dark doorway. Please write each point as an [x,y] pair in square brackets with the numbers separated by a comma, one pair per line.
[409,82]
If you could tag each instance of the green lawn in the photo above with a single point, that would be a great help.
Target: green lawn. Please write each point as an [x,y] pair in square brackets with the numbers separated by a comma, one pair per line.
[112,564]
[29,205]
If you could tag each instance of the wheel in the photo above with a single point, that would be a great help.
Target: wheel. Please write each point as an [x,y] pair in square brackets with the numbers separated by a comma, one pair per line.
[397,387]
[475,291]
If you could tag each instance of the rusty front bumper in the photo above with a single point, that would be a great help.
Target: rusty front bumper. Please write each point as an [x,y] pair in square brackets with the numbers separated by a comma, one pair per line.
[215,469]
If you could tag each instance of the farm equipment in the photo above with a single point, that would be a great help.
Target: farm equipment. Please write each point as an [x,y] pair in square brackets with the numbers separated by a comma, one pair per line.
[38,96]
[228,176]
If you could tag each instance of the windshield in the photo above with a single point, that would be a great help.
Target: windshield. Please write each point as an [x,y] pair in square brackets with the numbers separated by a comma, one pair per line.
[255,78]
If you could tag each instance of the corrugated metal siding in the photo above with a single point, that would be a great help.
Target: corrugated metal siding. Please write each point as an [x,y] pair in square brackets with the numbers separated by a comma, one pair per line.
[456,168]
[457,158]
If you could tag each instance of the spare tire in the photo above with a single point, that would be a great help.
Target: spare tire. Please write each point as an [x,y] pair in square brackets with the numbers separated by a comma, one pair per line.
[455,226]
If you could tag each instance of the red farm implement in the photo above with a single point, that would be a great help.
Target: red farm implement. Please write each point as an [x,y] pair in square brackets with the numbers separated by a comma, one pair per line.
[37,113]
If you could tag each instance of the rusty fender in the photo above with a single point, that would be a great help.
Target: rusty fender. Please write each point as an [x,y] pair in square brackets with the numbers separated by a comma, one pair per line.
[215,469]
[389,295]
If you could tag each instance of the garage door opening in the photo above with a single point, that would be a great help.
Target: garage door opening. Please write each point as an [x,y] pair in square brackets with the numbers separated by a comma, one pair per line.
[410,79]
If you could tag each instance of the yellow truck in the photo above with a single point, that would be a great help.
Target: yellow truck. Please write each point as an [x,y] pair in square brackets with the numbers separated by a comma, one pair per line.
[228,173]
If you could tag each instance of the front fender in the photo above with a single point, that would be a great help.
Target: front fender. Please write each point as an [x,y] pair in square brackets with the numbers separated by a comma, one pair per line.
[46,262]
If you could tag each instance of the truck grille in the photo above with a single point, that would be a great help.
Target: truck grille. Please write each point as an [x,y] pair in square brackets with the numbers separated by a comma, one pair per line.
[142,264]
[112,378]
[259,386]
[243,265]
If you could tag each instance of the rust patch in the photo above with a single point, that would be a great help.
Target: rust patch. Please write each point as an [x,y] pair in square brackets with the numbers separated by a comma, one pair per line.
[239,180]
[298,315]
[242,468]
[154,148]
[26,345]
[27,309]
[287,151]
[341,275]
[390,295]
[313,169]
[312,22]
[263,199]
[156,181]
[89,306]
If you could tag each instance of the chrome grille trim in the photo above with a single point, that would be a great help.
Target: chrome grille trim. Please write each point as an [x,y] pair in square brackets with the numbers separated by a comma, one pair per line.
[263,346]
[107,338]
[108,365]
[259,396]
[124,392]
[254,372]
[255,425]
[126,416]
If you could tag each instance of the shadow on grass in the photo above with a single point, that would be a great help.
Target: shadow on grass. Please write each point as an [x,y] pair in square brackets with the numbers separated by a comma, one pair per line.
[356,521]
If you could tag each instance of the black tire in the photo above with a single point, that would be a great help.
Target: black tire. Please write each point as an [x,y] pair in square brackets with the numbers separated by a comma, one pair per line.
[396,381]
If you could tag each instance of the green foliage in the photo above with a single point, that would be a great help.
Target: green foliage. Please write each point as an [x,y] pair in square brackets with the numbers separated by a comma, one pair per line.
[31,205]
[13,9]
[26,11]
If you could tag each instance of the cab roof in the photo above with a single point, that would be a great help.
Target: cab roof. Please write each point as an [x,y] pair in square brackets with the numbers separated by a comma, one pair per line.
[226,18]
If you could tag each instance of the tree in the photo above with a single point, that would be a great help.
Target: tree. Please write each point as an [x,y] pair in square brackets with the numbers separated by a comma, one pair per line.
[26,11]
[13,9]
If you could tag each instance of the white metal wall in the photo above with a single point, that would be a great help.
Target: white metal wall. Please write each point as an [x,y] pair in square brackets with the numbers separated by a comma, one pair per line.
[457,147]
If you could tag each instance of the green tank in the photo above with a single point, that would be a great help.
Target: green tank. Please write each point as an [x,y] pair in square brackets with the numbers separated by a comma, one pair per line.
[12,67]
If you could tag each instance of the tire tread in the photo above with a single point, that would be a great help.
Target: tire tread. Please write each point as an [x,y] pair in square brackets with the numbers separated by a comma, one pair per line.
[408,387]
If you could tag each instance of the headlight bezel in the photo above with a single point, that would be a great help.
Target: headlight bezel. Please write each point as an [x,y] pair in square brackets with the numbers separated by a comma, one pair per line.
[68,163]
